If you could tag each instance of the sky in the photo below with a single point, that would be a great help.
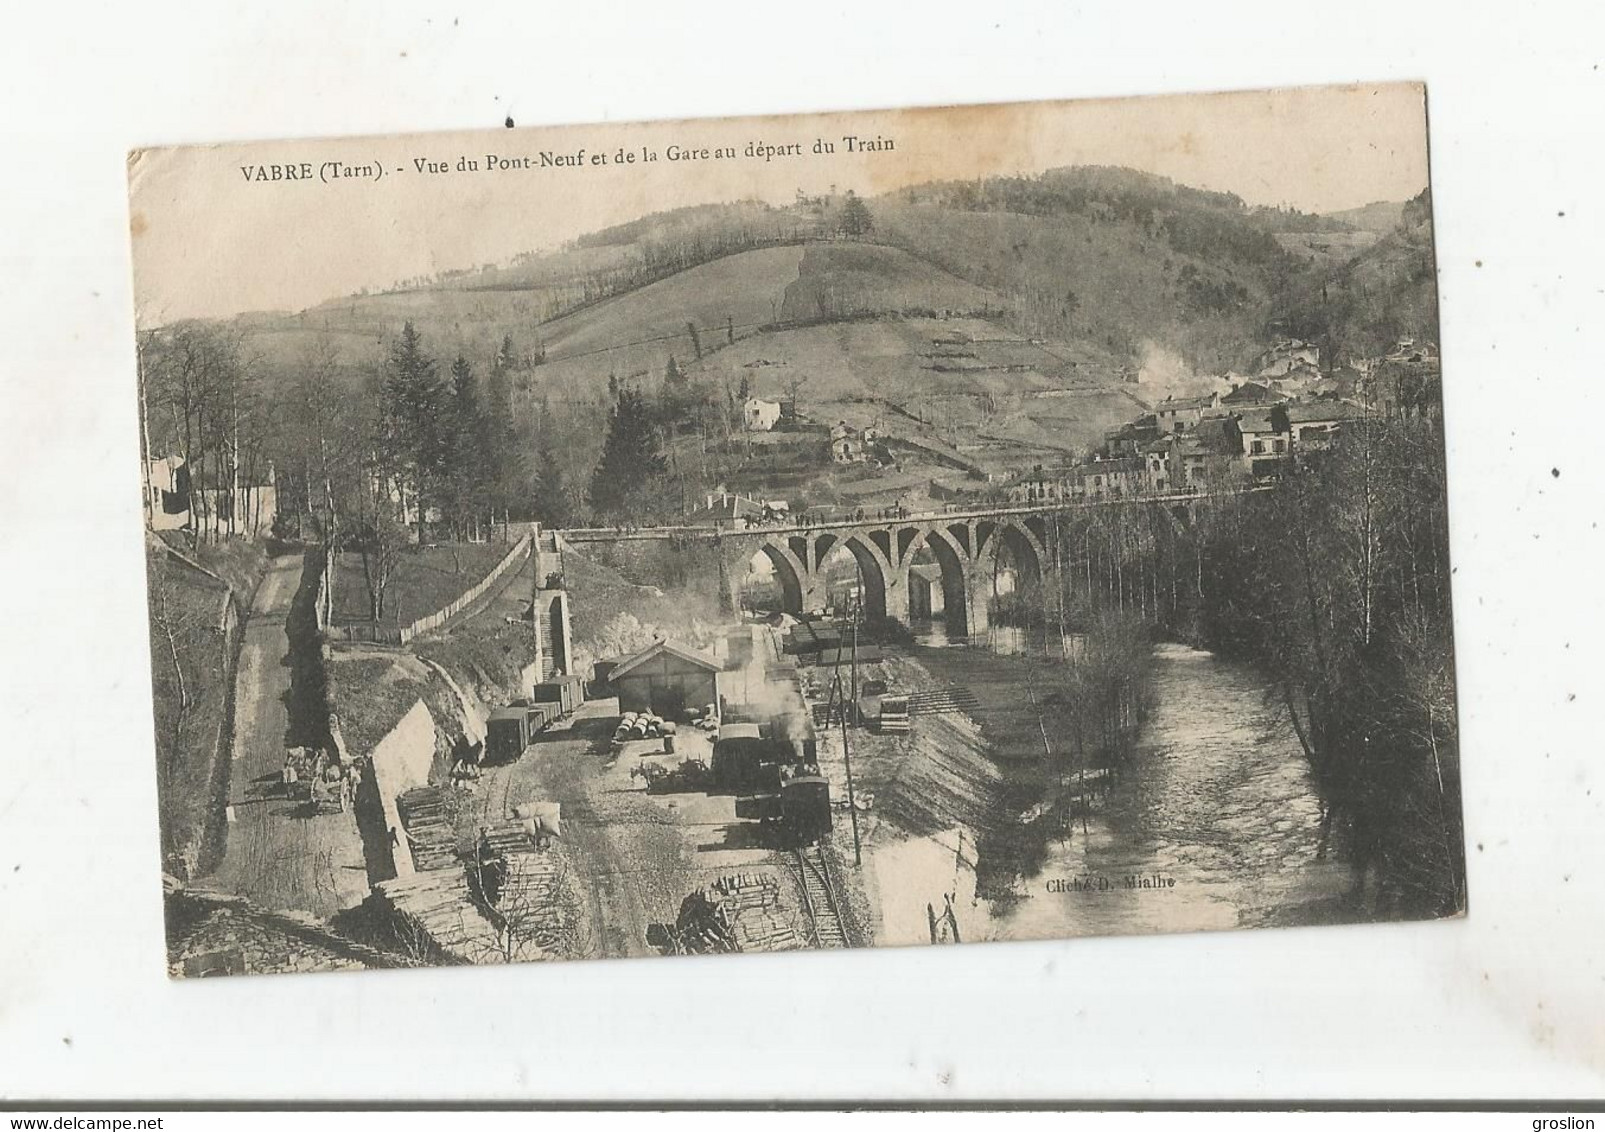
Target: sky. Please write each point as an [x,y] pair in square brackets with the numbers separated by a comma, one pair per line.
[212,239]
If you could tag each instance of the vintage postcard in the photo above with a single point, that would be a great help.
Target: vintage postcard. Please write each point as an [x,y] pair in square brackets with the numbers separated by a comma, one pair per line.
[863,529]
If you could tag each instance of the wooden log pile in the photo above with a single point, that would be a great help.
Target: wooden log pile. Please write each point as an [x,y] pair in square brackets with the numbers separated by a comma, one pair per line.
[429,828]
[438,905]
[507,837]
[754,908]
[535,908]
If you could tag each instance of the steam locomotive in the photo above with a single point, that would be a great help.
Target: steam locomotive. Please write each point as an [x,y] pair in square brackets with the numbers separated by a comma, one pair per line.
[775,776]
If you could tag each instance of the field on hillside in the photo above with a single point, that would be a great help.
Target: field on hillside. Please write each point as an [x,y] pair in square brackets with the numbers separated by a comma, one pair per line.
[1110,284]
[636,333]
[1325,251]
[840,280]
[964,388]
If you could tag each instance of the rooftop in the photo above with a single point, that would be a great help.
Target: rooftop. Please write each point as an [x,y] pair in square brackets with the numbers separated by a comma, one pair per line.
[1303,412]
[669,647]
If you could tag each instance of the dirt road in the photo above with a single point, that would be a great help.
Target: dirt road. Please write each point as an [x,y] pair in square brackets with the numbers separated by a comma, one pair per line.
[639,854]
[278,855]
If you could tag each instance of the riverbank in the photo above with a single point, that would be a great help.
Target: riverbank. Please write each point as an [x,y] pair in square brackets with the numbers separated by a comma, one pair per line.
[1214,824]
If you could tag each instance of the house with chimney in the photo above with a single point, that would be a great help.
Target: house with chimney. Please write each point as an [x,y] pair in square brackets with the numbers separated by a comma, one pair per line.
[1175,415]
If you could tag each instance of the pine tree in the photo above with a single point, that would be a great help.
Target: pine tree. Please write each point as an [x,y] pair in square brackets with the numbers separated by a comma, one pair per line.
[498,443]
[856,220]
[629,476]
[552,506]
[413,401]
[467,470]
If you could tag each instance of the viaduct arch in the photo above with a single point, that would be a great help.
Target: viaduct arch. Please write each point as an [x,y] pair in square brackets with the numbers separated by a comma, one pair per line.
[953,564]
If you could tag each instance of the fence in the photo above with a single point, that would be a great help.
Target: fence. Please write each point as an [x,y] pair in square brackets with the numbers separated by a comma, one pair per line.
[394,635]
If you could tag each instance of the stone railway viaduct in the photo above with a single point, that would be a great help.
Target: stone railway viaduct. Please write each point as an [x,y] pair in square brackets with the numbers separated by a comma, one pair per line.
[966,550]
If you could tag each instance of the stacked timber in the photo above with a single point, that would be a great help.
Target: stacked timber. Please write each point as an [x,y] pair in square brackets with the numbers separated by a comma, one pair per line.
[438,906]
[753,908]
[533,906]
[429,828]
[532,902]
[938,701]
[506,838]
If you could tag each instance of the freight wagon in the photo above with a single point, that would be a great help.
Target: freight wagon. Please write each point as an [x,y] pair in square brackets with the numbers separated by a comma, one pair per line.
[567,692]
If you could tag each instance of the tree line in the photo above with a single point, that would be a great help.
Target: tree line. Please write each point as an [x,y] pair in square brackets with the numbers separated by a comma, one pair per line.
[1335,585]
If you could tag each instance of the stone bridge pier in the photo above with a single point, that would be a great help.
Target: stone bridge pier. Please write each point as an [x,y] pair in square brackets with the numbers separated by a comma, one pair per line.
[917,566]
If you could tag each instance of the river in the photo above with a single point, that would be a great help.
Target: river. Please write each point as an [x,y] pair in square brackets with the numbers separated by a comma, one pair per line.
[1215,824]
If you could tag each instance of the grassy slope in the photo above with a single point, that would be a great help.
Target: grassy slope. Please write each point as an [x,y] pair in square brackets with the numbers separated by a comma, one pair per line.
[1386,292]
[839,280]
[613,336]
[1127,285]
[425,581]
[1380,217]
[185,756]
[979,409]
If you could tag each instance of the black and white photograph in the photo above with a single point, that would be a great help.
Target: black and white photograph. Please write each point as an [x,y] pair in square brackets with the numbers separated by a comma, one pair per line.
[873,529]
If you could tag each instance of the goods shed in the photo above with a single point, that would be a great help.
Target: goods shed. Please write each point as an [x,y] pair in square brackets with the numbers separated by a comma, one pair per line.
[667,678]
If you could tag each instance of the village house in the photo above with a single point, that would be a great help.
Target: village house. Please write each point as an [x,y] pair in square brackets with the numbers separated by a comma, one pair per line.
[1287,357]
[726,508]
[758,415]
[1177,415]
[1117,478]
[1267,440]
[849,445]
[1039,486]
[1157,458]
[1250,393]
[1187,461]
[1315,425]
[1208,454]
[174,501]
[1130,438]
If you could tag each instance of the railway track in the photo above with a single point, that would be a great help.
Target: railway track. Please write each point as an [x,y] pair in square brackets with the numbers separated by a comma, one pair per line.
[820,897]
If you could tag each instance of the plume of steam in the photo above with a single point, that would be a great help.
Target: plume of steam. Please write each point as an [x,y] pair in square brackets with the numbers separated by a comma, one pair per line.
[1163,371]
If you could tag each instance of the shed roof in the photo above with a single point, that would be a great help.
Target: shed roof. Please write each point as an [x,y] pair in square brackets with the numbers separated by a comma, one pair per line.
[672,648]
[1177,404]
[1304,412]
[1249,392]
[1257,420]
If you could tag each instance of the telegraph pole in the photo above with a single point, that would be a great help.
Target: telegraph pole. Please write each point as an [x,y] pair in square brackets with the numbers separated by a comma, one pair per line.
[847,753]
[852,800]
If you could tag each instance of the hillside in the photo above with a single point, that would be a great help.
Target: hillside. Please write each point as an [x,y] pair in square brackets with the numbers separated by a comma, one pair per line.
[981,326]
[1379,216]
[1121,259]
[1387,292]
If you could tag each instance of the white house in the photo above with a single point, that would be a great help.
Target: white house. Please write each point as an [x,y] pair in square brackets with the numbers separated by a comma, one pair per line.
[759,415]
[173,501]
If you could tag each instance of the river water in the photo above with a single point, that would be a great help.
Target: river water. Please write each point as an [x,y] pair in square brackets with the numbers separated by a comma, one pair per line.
[1215,824]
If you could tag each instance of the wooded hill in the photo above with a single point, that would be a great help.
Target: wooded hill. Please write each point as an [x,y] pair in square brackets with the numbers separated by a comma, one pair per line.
[1103,267]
